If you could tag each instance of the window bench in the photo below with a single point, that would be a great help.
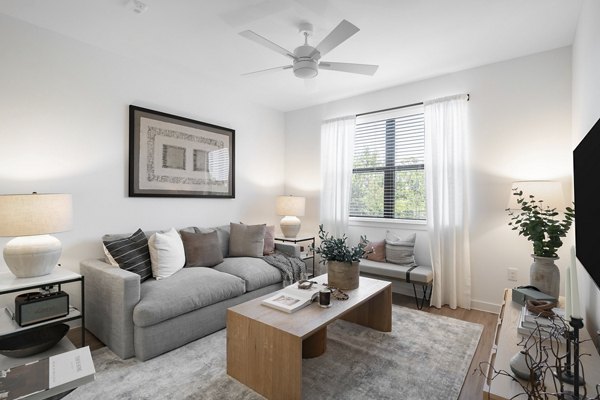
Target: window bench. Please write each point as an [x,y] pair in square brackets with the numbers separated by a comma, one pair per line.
[419,275]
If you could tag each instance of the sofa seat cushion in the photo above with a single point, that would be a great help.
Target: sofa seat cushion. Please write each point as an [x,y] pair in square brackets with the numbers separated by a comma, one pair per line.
[186,290]
[254,271]
[420,274]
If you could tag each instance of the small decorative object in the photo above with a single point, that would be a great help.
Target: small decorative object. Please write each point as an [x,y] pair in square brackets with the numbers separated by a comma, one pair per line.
[522,365]
[342,260]
[338,294]
[31,217]
[325,298]
[539,223]
[290,207]
[32,341]
[171,156]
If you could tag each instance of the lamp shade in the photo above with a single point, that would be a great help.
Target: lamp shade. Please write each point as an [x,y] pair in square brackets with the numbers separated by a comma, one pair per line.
[291,205]
[35,214]
[549,191]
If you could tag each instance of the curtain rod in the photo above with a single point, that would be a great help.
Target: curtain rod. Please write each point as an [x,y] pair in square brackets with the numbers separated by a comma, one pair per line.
[398,108]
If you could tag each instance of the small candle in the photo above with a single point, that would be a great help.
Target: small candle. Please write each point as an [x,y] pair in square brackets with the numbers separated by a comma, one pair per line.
[568,293]
[325,298]
[575,311]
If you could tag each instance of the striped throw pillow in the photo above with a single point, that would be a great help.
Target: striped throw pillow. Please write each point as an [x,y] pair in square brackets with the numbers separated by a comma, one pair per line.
[131,253]
[400,248]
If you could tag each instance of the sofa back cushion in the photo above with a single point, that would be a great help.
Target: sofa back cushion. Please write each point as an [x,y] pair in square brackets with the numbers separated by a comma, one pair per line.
[166,253]
[246,240]
[201,249]
[131,253]
[223,233]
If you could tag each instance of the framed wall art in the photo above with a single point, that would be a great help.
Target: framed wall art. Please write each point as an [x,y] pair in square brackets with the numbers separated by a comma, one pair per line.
[171,156]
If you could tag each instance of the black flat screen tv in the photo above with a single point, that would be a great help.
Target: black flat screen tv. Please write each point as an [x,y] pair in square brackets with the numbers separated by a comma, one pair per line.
[586,182]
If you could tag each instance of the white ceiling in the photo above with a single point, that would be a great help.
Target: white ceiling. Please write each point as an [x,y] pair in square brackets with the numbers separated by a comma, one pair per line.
[409,39]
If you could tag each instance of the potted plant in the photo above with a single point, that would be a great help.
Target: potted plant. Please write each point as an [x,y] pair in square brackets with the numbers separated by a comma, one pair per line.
[342,260]
[541,225]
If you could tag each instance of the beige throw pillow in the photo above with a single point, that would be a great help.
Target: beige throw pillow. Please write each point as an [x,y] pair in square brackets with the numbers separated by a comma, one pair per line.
[246,240]
[201,249]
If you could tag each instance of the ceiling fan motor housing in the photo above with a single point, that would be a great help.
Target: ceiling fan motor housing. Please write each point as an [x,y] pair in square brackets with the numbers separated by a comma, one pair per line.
[305,66]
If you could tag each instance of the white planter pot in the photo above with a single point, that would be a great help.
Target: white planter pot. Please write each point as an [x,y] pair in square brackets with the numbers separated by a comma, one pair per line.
[545,275]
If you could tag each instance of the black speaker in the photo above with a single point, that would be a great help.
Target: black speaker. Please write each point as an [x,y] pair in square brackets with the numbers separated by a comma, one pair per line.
[34,307]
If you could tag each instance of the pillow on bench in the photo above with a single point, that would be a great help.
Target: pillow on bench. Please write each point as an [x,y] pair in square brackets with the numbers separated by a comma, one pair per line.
[375,251]
[400,249]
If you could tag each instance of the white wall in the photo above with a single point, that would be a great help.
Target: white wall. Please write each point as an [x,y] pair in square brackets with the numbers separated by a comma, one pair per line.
[520,119]
[64,128]
[586,111]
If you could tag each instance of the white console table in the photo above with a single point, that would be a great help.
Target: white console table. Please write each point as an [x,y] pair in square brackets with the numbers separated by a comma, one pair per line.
[506,345]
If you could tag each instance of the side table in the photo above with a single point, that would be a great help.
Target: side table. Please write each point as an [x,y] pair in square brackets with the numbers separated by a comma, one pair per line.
[9,283]
[307,254]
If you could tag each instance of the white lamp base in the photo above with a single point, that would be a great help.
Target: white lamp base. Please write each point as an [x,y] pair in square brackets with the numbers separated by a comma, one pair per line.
[30,256]
[290,226]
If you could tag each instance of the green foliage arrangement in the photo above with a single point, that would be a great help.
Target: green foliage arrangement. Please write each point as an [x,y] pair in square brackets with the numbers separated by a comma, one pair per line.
[337,249]
[539,224]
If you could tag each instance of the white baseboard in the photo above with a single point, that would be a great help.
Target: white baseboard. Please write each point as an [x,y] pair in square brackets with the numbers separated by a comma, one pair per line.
[485,306]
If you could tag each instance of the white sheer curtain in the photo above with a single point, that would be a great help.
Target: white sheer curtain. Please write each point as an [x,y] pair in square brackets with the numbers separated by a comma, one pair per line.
[447,197]
[337,153]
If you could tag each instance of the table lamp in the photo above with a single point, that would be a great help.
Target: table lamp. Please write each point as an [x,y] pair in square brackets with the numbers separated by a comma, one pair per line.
[291,207]
[31,217]
[549,191]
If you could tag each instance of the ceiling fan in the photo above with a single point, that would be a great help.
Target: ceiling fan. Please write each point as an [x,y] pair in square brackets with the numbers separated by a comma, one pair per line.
[306,58]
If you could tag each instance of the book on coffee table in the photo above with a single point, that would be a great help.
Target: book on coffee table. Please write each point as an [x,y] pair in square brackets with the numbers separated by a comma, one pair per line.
[48,376]
[291,298]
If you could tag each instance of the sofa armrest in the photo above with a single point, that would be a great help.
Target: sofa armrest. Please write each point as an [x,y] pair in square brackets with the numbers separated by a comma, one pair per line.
[290,249]
[111,293]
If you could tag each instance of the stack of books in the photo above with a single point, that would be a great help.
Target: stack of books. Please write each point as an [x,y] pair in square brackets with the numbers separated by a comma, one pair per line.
[529,323]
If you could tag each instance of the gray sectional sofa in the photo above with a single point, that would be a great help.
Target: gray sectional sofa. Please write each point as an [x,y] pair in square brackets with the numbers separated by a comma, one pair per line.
[146,319]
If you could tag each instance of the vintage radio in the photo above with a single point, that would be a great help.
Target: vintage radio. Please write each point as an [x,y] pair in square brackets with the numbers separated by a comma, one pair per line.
[34,307]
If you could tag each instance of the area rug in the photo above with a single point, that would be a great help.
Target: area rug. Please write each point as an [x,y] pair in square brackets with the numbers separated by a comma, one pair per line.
[425,356]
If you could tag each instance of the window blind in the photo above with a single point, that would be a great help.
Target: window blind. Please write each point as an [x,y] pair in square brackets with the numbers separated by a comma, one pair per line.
[388,172]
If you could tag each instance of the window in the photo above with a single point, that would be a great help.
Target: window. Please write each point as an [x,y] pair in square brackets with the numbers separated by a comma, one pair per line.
[388,176]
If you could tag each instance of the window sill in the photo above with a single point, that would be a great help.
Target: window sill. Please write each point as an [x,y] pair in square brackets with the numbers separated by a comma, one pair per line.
[377,222]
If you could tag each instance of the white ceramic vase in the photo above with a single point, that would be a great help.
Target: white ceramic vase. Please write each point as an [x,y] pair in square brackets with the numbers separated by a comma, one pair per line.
[544,275]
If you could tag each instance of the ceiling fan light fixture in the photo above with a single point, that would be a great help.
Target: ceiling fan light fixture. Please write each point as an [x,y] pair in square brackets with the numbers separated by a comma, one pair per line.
[306,69]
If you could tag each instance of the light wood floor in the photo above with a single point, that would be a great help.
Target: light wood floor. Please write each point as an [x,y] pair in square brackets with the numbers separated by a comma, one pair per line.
[473,386]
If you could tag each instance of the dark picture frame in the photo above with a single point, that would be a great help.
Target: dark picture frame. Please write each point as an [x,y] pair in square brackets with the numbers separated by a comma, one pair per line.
[173,156]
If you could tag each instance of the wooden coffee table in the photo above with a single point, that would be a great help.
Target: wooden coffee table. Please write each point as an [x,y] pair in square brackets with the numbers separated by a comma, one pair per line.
[265,346]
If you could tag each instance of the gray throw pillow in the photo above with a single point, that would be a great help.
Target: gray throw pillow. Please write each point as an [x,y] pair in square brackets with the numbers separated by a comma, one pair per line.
[201,249]
[400,249]
[246,240]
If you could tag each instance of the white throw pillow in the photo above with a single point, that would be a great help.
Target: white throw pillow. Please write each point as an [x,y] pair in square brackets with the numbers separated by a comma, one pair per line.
[166,253]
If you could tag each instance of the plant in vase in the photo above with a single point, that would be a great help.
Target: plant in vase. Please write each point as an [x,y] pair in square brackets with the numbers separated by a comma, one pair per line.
[342,260]
[541,225]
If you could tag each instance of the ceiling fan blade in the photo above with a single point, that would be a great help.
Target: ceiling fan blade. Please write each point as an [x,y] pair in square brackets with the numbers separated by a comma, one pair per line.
[268,70]
[364,69]
[338,35]
[267,43]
